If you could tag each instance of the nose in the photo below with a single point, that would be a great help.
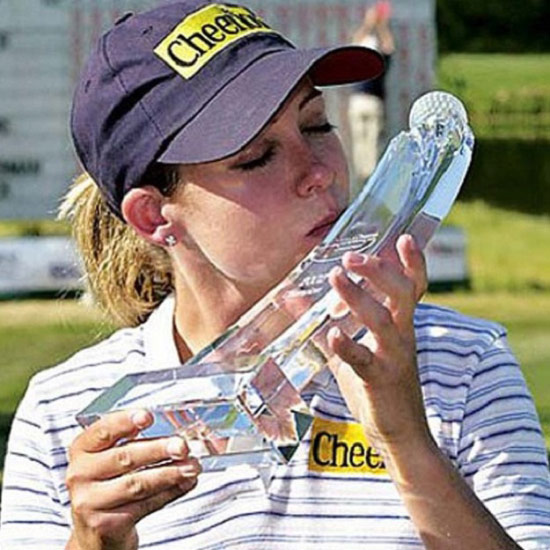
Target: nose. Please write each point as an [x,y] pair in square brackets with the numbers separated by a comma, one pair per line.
[314,175]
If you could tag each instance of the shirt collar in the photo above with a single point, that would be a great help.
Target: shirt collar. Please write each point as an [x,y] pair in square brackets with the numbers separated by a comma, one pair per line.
[158,337]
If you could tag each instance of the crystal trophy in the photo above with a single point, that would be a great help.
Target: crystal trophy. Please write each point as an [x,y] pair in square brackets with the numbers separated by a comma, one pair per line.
[239,399]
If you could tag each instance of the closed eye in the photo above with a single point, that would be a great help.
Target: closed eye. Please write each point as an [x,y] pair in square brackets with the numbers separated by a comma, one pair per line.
[325,128]
[259,162]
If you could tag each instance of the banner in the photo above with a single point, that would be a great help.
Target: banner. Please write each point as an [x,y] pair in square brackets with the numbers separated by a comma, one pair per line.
[38,265]
[50,265]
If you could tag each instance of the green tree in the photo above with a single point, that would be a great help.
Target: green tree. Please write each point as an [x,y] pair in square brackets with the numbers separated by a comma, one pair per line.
[493,25]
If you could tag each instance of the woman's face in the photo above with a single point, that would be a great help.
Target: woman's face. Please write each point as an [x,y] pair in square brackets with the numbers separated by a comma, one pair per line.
[255,214]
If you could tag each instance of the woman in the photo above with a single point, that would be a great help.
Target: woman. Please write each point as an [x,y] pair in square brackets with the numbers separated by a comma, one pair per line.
[215,170]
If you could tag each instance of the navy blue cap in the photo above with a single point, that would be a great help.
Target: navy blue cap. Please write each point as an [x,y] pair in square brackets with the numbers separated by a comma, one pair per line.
[187,82]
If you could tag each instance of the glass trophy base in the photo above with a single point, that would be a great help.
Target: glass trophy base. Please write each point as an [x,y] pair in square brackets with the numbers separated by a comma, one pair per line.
[250,415]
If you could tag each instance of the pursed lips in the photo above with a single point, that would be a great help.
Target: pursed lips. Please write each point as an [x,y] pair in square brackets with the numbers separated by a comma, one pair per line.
[324,224]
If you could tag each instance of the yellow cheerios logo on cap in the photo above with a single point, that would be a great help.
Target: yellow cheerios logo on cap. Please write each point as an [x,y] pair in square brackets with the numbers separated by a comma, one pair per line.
[204,34]
[342,448]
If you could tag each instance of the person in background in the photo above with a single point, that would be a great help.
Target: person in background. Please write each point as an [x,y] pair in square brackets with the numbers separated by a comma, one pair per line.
[211,170]
[367,99]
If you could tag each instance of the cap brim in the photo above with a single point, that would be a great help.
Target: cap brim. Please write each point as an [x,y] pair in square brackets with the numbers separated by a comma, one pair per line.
[233,118]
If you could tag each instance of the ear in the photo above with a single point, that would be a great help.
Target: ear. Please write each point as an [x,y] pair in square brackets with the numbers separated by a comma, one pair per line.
[142,209]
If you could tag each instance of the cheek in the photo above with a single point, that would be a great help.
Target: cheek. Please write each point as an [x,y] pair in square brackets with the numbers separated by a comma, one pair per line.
[240,239]
[218,225]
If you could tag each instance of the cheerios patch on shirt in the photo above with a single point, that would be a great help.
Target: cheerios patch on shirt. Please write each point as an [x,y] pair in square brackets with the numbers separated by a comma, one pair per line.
[342,448]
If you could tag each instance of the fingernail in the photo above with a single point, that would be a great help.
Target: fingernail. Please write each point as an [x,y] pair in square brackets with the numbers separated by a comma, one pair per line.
[141,419]
[354,258]
[410,239]
[191,469]
[334,332]
[336,271]
[336,307]
[176,447]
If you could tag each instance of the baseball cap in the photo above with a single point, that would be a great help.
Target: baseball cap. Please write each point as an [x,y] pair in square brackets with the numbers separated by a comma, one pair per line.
[189,82]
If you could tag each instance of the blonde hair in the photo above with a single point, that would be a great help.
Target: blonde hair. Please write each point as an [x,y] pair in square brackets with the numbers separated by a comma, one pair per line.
[127,276]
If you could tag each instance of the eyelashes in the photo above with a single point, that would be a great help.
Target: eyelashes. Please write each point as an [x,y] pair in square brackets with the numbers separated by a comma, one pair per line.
[259,162]
[264,159]
[325,128]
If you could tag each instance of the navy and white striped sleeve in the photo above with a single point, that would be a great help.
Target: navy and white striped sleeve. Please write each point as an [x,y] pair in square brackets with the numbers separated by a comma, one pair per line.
[32,514]
[502,452]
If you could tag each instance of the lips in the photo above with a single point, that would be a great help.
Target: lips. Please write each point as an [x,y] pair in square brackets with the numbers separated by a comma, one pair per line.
[322,227]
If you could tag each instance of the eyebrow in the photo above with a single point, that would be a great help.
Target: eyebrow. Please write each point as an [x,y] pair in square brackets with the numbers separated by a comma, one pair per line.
[312,95]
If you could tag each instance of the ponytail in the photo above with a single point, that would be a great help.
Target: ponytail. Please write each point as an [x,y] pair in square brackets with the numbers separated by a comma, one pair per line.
[127,276]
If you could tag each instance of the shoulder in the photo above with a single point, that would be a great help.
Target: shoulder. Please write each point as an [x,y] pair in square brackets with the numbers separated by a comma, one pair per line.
[56,394]
[442,323]
[45,422]
[453,348]
[73,383]
[123,347]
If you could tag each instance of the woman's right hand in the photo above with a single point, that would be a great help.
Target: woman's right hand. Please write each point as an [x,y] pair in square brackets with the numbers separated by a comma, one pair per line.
[113,486]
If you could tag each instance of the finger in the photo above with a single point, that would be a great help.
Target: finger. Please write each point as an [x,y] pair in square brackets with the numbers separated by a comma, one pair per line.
[111,429]
[414,263]
[141,485]
[112,526]
[132,456]
[387,278]
[145,507]
[366,309]
[336,308]
[359,357]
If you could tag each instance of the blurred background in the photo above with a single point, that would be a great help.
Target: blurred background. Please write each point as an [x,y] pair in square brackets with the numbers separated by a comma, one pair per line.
[492,258]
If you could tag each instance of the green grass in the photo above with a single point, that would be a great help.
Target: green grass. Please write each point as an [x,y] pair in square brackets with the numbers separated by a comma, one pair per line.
[484,76]
[10,228]
[35,335]
[38,334]
[506,95]
[506,250]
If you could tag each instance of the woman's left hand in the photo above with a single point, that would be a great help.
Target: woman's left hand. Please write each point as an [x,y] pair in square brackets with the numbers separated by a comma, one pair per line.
[378,375]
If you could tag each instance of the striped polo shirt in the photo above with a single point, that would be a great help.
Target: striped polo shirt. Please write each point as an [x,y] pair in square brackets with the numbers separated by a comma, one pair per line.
[335,493]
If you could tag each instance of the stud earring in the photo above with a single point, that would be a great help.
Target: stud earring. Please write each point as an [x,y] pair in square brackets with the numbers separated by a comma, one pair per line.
[170,240]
